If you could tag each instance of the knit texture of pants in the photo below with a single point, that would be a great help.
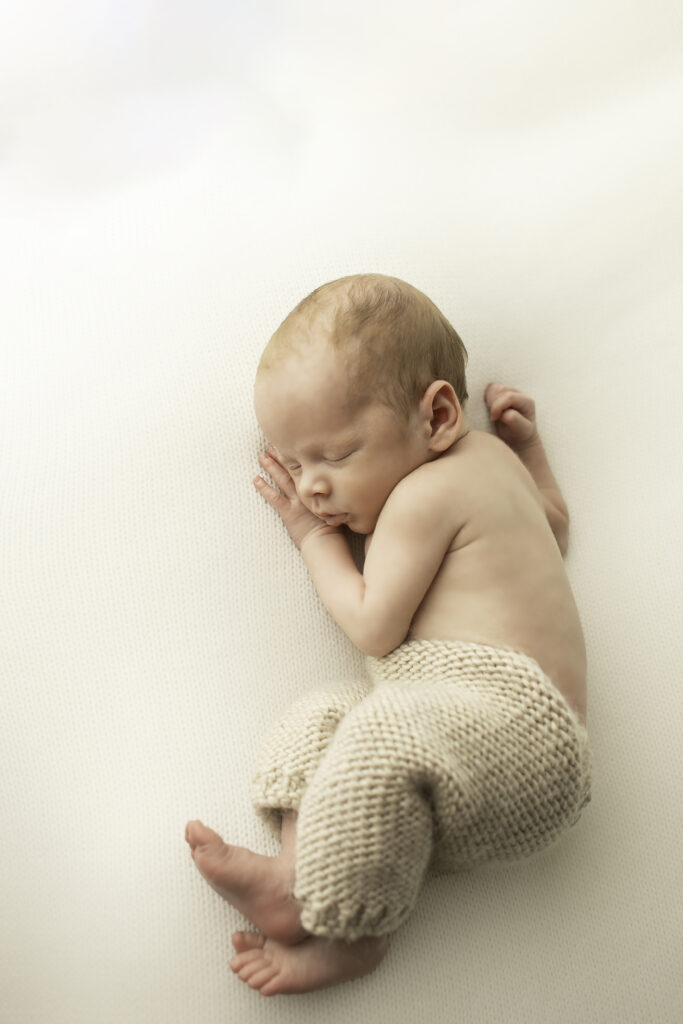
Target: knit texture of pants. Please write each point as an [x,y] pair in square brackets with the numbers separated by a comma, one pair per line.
[451,755]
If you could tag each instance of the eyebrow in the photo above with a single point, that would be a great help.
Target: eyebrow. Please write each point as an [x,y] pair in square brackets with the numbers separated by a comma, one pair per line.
[343,442]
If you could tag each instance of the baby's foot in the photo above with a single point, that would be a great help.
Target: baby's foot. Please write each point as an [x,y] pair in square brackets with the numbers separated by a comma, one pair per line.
[259,887]
[275,969]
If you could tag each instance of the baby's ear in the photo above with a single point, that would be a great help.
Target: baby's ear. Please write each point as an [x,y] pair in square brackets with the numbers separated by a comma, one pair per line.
[442,413]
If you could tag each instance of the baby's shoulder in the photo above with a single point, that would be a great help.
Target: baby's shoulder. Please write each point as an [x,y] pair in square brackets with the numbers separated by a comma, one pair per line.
[492,480]
[470,464]
[484,461]
[478,466]
[433,490]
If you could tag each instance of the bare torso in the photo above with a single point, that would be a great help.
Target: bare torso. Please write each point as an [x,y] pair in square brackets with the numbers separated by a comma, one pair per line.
[503,580]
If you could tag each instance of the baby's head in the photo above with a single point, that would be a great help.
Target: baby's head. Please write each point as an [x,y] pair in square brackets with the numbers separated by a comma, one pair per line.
[361,383]
[392,339]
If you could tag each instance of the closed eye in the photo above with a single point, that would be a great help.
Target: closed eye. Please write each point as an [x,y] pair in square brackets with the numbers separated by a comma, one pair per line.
[338,458]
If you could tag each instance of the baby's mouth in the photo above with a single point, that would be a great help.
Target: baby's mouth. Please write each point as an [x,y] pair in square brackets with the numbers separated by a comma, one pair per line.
[335,520]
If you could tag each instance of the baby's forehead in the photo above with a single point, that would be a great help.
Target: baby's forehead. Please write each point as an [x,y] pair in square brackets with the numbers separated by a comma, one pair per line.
[301,413]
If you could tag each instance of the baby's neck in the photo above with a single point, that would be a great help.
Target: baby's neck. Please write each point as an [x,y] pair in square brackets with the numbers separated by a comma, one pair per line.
[465,429]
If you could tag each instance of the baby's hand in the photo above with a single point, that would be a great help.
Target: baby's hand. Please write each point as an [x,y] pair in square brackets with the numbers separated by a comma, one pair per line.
[300,522]
[513,414]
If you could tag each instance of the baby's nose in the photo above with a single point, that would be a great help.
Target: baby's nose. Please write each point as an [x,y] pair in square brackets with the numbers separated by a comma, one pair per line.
[313,484]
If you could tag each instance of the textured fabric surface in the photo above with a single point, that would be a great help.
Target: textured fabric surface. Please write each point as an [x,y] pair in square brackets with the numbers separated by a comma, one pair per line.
[462,753]
[294,747]
[515,751]
[173,179]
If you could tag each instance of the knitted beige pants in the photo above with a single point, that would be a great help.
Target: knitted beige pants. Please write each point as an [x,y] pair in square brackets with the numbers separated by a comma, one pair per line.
[450,755]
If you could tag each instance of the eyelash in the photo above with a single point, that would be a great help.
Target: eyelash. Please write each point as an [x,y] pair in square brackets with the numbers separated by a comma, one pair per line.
[297,467]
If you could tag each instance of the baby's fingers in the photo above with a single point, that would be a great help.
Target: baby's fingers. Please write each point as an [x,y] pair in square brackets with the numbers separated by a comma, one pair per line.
[512,419]
[271,494]
[278,473]
[500,398]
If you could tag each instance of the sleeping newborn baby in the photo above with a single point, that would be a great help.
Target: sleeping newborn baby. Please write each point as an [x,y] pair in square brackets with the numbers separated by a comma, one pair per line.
[466,741]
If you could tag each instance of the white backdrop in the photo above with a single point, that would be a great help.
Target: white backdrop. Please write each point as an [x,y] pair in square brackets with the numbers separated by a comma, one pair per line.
[173,178]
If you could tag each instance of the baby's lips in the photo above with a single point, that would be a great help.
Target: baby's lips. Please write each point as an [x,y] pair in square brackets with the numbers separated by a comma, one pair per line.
[335,520]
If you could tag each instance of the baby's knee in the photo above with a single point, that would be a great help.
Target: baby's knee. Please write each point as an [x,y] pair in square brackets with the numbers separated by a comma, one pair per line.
[324,709]
[384,737]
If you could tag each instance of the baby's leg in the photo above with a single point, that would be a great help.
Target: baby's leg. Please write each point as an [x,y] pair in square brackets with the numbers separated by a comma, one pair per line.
[296,744]
[261,887]
[490,766]
[365,823]
[303,965]
[285,958]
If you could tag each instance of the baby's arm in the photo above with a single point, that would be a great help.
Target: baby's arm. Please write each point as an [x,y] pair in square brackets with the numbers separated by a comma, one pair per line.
[514,416]
[375,607]
[409,544]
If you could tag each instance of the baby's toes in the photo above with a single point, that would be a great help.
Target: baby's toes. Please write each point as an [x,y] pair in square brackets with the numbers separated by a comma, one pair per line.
[261,978]
[244,960]
[242,941]
[257,966]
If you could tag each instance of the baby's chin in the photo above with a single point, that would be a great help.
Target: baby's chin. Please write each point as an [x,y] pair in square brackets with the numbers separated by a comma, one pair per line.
[361,525]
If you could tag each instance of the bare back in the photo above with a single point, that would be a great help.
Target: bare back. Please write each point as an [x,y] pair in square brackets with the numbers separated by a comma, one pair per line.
[502,581]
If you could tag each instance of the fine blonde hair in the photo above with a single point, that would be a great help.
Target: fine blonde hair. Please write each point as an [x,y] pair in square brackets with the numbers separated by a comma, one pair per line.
[393,339]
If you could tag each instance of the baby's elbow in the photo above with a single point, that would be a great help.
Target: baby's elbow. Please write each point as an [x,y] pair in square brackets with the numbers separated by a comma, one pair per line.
[561,532]
[380,641]
[376,650]
[559,524]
